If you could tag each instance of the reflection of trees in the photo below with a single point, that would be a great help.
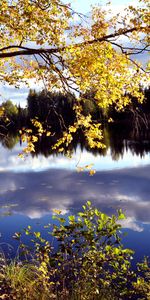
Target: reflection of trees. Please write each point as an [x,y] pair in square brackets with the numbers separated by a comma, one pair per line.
[55,112]
[117,139]
[123,138]
[9,140]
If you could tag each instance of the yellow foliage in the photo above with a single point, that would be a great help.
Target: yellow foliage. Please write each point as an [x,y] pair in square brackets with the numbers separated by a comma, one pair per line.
[41,40]
[1,112]
[92,172]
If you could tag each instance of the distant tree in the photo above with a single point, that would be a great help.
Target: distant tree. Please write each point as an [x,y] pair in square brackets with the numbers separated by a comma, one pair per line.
[53,108]
[10,109]
[32,104]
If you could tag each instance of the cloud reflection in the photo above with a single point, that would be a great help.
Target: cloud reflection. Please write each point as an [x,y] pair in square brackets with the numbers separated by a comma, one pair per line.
[36,194]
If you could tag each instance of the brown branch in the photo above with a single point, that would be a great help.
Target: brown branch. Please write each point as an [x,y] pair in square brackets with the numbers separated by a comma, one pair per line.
[127,54]
[124,49]
[138,67]
[42,74]
[31,51]
[66,6]
[137,51]
[14,47]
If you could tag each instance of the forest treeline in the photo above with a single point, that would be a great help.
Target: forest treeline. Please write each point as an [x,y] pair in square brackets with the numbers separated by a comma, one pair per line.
[55,110]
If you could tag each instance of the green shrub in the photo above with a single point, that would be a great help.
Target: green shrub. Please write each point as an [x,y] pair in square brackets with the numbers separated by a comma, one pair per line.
[89,262]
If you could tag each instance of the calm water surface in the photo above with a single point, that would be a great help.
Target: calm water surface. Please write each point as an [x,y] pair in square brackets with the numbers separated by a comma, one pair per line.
[31,188]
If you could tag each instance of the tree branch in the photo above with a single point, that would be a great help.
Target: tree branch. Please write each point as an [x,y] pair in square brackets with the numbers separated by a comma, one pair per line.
[32,51]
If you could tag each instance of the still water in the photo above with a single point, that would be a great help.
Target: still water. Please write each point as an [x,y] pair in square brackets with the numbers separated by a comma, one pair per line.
[31,188]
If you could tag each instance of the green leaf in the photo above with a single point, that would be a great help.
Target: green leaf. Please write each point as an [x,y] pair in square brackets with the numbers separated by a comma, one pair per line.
[37,234]
[121,215]
[17,236]
[71,218]
[88,203]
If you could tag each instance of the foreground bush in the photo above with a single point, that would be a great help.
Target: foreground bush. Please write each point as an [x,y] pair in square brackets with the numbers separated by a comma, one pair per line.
[89,263]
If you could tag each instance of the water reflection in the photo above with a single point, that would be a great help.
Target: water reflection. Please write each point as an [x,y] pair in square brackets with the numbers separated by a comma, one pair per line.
[119,152]
[30,189]
[31,196]
[119,138]
[36,194]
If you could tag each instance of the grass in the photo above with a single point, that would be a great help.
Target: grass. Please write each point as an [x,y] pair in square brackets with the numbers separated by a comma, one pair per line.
[23,282]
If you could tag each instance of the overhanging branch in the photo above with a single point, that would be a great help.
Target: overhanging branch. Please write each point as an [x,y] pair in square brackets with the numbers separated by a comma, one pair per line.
[26,51]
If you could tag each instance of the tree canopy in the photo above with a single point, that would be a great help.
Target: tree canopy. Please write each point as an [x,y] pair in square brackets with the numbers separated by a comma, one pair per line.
[48,41]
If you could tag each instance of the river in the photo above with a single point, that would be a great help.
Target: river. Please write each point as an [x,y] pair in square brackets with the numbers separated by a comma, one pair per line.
[32,187]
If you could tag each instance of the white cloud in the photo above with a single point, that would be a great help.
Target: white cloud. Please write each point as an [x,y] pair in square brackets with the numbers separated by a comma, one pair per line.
[131,223]
[121,197]
[9,161]
[9,187]
[19,95]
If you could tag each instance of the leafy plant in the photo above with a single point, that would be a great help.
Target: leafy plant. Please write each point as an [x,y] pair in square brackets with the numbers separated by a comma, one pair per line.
[88,263]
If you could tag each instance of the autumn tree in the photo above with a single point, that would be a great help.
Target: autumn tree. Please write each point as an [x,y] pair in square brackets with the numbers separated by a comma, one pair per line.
[41,39]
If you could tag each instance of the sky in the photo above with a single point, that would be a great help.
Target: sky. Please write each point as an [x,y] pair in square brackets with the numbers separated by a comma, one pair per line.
[85,5]
[19,96]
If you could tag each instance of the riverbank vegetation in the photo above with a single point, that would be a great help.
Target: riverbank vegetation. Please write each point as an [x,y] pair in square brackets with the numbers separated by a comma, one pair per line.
[83,259]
